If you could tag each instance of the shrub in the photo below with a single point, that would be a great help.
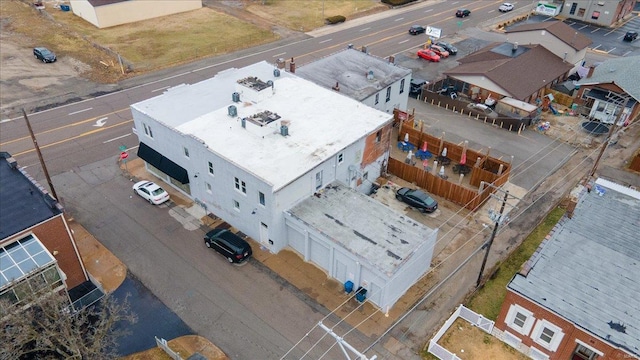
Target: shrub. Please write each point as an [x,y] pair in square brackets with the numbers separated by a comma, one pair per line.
[397,2]
[336,19]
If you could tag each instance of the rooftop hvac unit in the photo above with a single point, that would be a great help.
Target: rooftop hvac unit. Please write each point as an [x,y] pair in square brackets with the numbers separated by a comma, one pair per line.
[284,130]
[270,83]
[235,97]
[276,72]
[243,122]
[232,111]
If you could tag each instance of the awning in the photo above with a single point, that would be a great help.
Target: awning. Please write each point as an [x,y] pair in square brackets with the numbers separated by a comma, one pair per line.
[163,163]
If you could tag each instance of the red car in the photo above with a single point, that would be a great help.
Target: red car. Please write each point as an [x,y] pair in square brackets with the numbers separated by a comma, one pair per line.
[439,51]
[429,55]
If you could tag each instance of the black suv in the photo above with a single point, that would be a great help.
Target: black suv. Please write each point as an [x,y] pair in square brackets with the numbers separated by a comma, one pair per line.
[43,54]
[228,244]
[417,29]
[463,13]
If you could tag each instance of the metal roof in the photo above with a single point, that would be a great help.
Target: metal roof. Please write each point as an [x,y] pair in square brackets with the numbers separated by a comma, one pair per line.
[23,202]
[349,68]
[588,270]
[382,237]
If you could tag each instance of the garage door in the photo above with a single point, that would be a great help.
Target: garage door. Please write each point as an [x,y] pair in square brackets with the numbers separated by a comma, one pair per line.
[319,254]
[296,240]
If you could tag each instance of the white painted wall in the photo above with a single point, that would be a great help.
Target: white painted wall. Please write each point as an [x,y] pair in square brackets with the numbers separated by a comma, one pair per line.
[551,43]
[397,99]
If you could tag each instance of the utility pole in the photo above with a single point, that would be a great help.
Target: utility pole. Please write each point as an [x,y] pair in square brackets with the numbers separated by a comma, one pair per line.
[344,345]
[44,167]
[498,219]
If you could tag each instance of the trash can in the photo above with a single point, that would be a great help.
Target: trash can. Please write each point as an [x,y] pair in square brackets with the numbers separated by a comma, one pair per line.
[348,286]
[361,294]
[65,7]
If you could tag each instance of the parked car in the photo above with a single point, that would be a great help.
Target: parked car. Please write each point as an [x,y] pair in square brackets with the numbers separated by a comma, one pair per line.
[506,7]
[415,89]
[43,54]
[482,110]
[231,246]
[429,55]
[418,199]
[417,29]
[630,35]
[450,48]
[151,192]
[440,51]
[463,13]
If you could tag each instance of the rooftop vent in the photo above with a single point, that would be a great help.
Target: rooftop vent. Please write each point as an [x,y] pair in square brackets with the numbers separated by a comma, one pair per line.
[235,97]
[515,47]
[276,72]
[270,83]
[370,75]
[232,110]
[253,83]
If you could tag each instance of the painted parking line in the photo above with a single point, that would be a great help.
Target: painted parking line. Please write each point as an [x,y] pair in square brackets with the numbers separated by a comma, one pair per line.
[595,48]
[584,26]
[608,52]
[627,53]
[597,29]
[612,31]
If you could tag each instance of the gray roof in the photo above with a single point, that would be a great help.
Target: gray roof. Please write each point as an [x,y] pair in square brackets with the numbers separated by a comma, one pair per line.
[588,270]
[562,31]
[23,202]
[622,71]
[378,235]
[349,68]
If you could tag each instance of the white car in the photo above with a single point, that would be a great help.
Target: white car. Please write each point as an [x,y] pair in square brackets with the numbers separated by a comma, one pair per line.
[505,7]
[482,110]
[151,192]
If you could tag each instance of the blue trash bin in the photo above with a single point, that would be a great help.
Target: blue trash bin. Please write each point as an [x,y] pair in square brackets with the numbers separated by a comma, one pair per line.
[65,7]
[348,286]
[361,294]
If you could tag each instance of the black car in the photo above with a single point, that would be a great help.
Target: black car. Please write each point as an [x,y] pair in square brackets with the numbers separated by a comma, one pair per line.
[450,48]
[417,199]
[630,35]
[228,244]
[417,29]
[43,54]
[415,89]
[463,13]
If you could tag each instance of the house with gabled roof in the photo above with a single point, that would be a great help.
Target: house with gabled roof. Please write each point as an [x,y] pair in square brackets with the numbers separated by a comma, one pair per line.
[559,38]
[601,89]
[108,13]
[577,296]
[521,72]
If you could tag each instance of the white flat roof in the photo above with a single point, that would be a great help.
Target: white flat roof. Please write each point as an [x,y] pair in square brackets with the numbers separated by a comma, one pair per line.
[321,122]
[379,235]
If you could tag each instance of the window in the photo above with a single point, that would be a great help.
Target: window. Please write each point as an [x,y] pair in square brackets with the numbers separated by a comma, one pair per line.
[208,186]
[595,15]
[585,352]
[210,168]
[340,158]
[261,198]
[186,151]
[378,136]
[365,176]
[573,8]
[401,86]
[388,94]
[236,205]
[520,319]
[147,130]
[318,180]
[377,99]
[240,185]
[547,335]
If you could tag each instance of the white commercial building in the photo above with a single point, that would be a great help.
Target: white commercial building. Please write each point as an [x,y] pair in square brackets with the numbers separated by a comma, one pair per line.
[250,144]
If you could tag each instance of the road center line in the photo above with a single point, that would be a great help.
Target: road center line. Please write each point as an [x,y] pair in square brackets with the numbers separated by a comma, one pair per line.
[116,138]
[324,41]
[160,89]
[79,111]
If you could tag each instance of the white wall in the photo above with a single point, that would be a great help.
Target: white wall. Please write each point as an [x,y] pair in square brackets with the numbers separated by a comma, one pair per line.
[397,99]
[83,9]
[551,43]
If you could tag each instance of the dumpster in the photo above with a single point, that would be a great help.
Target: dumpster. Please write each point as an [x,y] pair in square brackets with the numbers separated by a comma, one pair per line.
[361,294]
[348,286]
[65,7]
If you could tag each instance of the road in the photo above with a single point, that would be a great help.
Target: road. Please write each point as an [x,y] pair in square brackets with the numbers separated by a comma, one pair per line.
[245,310]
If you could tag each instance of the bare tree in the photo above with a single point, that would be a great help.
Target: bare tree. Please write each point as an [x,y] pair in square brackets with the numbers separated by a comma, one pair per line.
[44,327]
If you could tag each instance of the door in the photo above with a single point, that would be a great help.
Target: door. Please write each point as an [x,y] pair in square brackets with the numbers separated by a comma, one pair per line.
[264,234]
[340,271]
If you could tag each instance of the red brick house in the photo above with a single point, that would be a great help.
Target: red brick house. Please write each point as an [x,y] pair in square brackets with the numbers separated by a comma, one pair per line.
[37,248]
[577,297]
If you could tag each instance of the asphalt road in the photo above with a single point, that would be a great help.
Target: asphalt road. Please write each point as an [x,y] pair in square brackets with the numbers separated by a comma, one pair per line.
[244,310]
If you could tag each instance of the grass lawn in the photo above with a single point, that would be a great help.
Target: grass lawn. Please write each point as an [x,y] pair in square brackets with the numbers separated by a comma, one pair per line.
[488,300]
[305,15]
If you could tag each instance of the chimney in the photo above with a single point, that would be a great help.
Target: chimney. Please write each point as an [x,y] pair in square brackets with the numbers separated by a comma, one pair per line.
[337,87]
[591,69]
[292,66]
[515,47]
[392,59]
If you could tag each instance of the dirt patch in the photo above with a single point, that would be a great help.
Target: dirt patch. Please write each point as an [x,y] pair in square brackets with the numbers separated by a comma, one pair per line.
[469,342]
